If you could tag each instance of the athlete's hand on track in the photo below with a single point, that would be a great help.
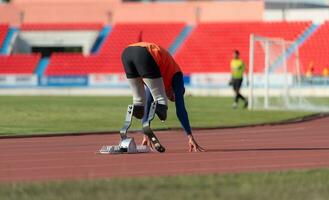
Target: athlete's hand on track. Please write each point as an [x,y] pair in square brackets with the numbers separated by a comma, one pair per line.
[193,145]
[146,142]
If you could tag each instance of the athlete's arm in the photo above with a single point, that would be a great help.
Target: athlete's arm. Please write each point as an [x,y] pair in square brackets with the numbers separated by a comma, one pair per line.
[178,87]
[179,90]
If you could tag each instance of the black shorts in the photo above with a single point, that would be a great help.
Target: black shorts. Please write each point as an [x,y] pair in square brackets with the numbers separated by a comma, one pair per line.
[236,83]
[138,62]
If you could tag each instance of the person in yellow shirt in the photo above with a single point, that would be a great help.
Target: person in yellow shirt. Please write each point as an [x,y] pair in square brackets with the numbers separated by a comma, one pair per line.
[237,71]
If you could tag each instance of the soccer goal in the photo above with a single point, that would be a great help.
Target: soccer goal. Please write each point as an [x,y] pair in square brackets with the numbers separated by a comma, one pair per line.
[275,76]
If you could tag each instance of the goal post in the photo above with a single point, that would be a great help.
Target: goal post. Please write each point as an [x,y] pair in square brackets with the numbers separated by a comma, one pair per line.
[275,76]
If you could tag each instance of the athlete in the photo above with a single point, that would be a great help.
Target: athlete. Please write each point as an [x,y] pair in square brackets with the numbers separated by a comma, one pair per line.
[154,75]
[237,70]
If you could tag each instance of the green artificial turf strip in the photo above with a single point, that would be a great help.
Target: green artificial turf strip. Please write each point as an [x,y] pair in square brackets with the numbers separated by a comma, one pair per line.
[21,115]
[292,185]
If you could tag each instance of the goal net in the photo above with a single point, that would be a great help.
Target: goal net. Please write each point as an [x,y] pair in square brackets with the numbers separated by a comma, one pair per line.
[276,79]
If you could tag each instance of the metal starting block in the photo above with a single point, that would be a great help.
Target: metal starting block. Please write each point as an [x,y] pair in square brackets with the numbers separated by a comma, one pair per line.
[127,145]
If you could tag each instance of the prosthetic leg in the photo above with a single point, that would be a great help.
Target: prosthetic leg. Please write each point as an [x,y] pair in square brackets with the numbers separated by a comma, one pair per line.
[127,144]
[155,109]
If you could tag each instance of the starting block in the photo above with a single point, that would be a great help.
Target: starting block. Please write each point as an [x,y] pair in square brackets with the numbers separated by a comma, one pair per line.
[127,145]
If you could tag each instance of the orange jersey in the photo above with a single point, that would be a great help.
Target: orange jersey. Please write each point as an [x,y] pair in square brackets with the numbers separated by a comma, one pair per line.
[166,63]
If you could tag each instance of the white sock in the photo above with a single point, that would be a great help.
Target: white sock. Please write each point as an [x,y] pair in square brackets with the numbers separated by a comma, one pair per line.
[137,88]
[157,89]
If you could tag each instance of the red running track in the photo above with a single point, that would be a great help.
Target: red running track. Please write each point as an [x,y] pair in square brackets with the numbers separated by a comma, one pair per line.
[264,148]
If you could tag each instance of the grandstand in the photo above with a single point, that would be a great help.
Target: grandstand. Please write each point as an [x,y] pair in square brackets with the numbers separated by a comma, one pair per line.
[207,49]
[314,51]
[210,46]
[199,36]
[19,64]
[3,32]
[109,58]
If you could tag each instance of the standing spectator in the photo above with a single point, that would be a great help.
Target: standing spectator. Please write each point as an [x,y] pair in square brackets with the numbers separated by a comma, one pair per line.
[310,70]
[309,73]
[237,71]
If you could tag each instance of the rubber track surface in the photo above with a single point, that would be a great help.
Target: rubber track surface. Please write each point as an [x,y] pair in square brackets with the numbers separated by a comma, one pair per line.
[264,148]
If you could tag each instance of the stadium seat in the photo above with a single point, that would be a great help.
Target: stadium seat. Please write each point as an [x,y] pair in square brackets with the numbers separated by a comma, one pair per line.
[3,32]
[314,53]
[109,58]
[19,63]
[209,47]
[76,64]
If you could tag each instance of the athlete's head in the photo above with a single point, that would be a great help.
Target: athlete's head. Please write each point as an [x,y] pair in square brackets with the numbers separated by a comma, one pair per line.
[236,54]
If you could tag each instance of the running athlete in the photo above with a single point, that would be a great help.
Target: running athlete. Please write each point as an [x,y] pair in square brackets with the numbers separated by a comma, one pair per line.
[151,65]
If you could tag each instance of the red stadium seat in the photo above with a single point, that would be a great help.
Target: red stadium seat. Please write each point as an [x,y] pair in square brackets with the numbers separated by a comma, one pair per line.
[209,47]
[3,32]
[109,58]
[315,51]
[75,64]
[19,63]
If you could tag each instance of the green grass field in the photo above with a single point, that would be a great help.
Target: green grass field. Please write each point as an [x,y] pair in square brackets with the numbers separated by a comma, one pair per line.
[292,185]
[42,114]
